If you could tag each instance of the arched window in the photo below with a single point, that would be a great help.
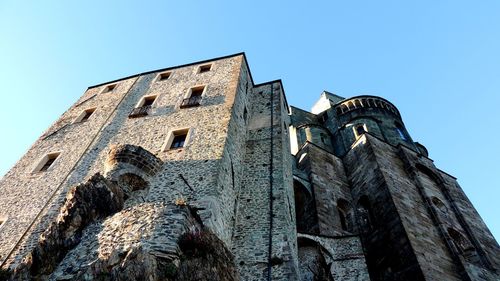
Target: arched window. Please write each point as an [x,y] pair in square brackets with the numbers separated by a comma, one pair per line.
[401,131]
[357,103]
[305,211]
[461,243]
[439,204]
[344,211]
[365,213]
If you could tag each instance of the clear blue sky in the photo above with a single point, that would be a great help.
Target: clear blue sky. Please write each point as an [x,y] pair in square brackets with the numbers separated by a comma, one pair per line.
[437,61]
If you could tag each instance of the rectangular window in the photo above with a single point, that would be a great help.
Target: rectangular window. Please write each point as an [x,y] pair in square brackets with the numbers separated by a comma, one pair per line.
[47,162]
[109,88]
[177,139]
[148,101]
[205,68]
[85,115]
[164,76]
[194,97]
[143,107]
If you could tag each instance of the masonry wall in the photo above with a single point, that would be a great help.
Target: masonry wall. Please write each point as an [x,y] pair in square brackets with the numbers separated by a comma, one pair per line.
[253,223]
[85,146]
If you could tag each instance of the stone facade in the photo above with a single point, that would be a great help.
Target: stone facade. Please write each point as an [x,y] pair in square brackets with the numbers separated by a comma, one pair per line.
[198,167]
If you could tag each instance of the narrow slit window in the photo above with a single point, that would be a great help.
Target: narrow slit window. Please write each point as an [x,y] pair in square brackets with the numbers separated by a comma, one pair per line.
[205,68]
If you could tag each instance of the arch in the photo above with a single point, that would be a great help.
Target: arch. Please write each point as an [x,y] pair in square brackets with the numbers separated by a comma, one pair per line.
[401,131]
[344,108]
[365,213]
[344,210]
[350,104]
[305,208]
[461,243]
[357,103]
[338,110]
[313,260]
[439,204]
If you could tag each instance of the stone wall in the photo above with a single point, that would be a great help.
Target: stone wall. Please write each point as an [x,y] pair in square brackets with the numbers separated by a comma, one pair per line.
[84,149]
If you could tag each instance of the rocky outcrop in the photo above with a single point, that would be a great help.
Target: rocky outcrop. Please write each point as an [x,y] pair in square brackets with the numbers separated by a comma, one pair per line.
[85,203]
[204,257]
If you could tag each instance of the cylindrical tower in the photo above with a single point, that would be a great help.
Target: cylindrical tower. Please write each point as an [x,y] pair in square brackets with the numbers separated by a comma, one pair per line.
[350,118]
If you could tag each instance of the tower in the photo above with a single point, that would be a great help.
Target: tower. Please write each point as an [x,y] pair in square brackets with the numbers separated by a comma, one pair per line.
[360,173]
[195,171]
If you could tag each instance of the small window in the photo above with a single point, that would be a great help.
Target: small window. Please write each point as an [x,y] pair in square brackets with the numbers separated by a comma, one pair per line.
[148,101]
[197,92]
[194,97]
[164,76]
[2,221]
[109,88]
[85,115]
[177,139]
[359,129]
[401,132]
[47,162]
[205,68]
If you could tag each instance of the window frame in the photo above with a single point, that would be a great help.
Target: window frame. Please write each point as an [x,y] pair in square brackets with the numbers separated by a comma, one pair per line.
[167,146]
[83,113]
[143,99]
[109,88]
[355,129]
[201,68]
[159,76]
[43,161]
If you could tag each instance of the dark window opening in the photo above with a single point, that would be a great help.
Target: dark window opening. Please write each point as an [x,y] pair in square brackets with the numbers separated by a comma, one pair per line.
[109,88]
[194,97]
[245,114]
[360,129]
[50,160]
[197,92]
[365,214]
[164,76]
[178,140]
[205,68]
[87,115]
[343,222]
[401,132]
[148,101]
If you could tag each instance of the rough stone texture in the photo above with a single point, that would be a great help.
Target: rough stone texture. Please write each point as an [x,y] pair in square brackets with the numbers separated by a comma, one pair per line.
[286,194]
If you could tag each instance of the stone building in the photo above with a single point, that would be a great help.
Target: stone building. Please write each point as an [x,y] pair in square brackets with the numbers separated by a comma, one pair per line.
[195,171]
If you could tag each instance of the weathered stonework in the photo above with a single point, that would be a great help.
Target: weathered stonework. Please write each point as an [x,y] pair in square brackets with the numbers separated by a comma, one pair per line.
[255,190]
